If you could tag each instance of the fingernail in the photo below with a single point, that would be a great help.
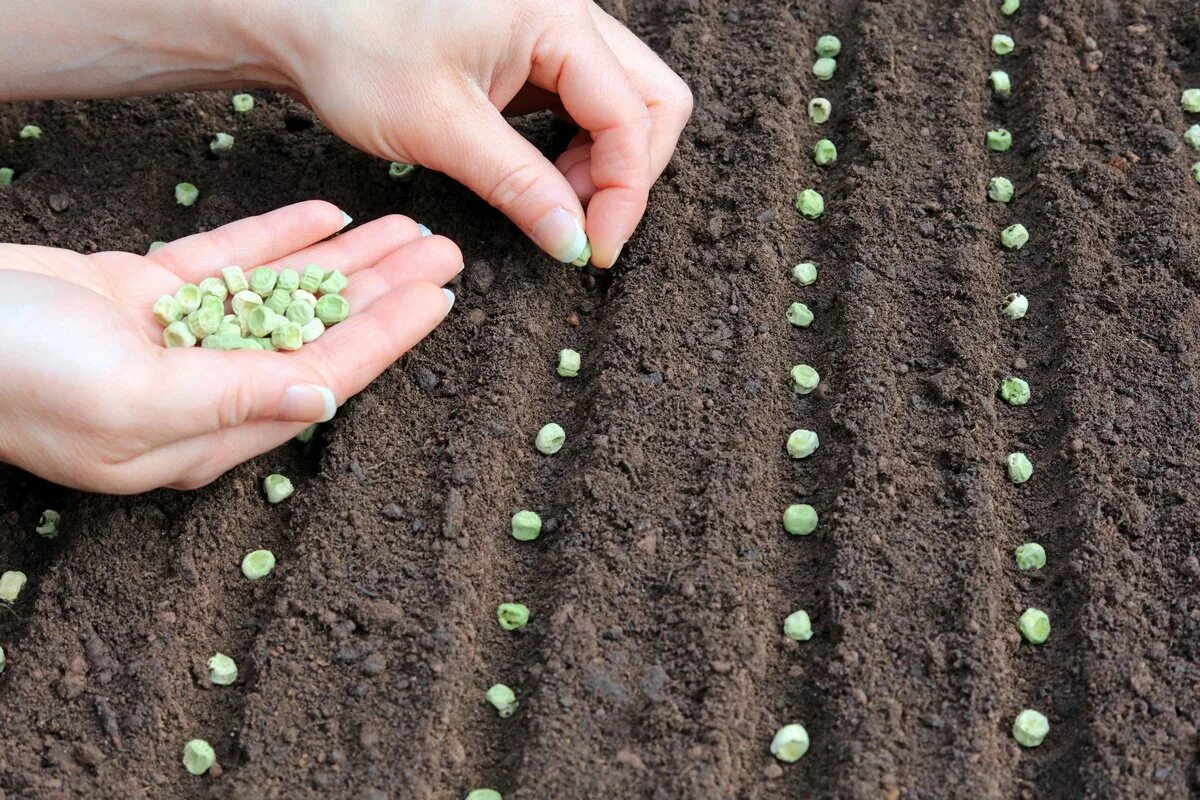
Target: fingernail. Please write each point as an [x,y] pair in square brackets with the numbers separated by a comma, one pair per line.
[449,298]
[346,220]
[307,402]
[424,231]
[617,254]
[560,235]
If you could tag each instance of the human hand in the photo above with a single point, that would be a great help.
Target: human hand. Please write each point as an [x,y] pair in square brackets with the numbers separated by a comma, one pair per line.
[93,400]
[425,82]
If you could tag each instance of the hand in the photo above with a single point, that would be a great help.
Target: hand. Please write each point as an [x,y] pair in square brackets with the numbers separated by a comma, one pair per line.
[425,81]
[92,399]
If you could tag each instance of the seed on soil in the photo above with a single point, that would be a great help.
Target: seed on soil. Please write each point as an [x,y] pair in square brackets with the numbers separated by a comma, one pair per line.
[805,273]
[399,171]
[332,309]
[257,564]
[1192,136]
[30,133]
[1190,101]
[1014,391]
[799,315]
[800,519]
[484,794]
[810,203]
[3,659]
[222,670]
[221,144]
[1000,190]
[526,526]
[802,443]
[819,110]
[1030,728]
[512,616]
[1196,172]
[550,438]
[1009,7]
[790,743]
[999,140]
[277,488]
[243,103]
[804,379]
[1020,469]
[503,699]
[198,756]
[48,524]
[6,176]
[824,152]
[167,310]
[1030,555]
[11,584]
[797,626]
[568,363]
[1014,237]
[1016,306]
[1034,625]
[824,68]
[1001,85]
[828,46]
[1002,44]
[186,193]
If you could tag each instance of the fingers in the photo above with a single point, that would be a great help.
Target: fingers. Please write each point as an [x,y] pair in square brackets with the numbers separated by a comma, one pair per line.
[433,260]
[574,61]
[356,249]
[251,241]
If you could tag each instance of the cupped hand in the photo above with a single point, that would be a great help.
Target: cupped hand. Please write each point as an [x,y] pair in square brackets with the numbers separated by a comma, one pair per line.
[427,82]
[93,400]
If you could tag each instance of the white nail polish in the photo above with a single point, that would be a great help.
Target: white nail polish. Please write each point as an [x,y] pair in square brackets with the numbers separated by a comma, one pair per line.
[449,298]
[330,403]
[424,231]
[346,219]
[560,235]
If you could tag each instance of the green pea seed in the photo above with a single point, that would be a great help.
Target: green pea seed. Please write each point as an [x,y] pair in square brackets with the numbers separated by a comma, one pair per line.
[1034,625]
[401,172]
[585,256]
[797,626]
[189,297]
[1192,136]
[802,443]
[48,524]
[503,699]
[235,279]
[198,756]
[824,153]
[800,519]
[186,193]
[1196,172]
[222,670]
[334,283]
[311,330]
[1030,728]
[203,322]
[1020,469]
[178,334]
[1002,44]
[213,287]
[1016,306]
[569,363]
[1001,85]
[288,281]
[245,302]
[278,301]
[824,68]
[799,315]
[11,584]
[261,321]
[299,313]
[810,203]
[332,309]
[243,103]
[302,296]
[257,564]
[262,281]
[1190,101]
[805,273]
[1014,391]
[6,176]
[512,616]
[484,794]
[828,46]
[1014,237]
[819,110]
[167,310]
[305,436]
[526,526]
[30,133]
[1030,555]
[804,379]
[790,743]
[3,660]
[1009,7]
[277,488]
[1000,190]
[222,144]
[312,278]
[550,438]
[999,140]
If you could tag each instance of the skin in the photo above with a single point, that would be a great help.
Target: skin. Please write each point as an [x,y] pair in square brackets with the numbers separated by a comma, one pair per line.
[95,402]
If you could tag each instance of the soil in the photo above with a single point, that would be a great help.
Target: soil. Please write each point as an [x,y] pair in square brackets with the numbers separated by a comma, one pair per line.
[654,665]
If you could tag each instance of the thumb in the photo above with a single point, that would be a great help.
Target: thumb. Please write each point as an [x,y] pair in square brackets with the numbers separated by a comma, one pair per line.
[484,152]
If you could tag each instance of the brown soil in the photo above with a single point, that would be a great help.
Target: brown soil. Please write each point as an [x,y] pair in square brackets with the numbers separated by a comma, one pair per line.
[655,666]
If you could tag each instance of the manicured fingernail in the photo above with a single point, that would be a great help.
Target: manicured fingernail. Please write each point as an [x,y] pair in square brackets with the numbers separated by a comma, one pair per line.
[307,402]
[424,231]
[617,254]
[449,298]
[346,219]
[560,235]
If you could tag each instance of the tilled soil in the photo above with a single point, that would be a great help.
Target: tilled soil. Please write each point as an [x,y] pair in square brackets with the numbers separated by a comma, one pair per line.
[655,665]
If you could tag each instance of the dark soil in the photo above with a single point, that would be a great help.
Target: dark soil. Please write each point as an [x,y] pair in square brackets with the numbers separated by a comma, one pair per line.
[655,666]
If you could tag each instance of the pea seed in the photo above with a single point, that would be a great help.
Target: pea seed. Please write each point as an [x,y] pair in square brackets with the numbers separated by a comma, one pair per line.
[305,436]
[3,660]
[824,68]
[550,438]
[243,103]
[828,46]
[1014,391]
[585,256]
[11,584]
[1000,190]
[6,176]
[1009,7]
[48,524]
[819,110]
[312,278]
[235,279]
[278,301]
[800,519]
[332,309]
[526,526]
[222,144]
[805,273]
[799,315]
[401,172]
[30,133]
[334,283]
[1020,469]
[167,310]
[1030,555]
[1196,172]
[1014,237]
[1034,625]
[1016,306]
[257,564]
[1190,101]
[568,363]
[203,322]
[484,794]
[213,287]
[824,153]
[790,743]
[810,203]
[277,487]
[804,379]
[222,670]
[797,626]
[1001,85]
[186,194]
[189,297]
[1192,136]
[155,246]
[302,296]
[802,443]
[245,302]
[999,140]
[198,756]
[1002,44]
[178,334]
[503,699]
[262,281]
[311,330]
[1030,728]
[512,616]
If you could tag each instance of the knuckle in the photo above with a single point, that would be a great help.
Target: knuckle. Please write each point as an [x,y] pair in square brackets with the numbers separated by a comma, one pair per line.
[514,185]
[237,404]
